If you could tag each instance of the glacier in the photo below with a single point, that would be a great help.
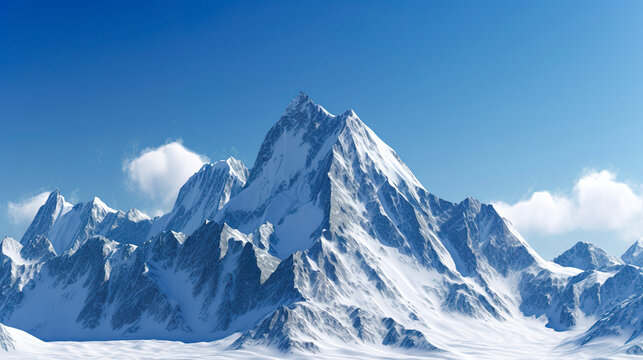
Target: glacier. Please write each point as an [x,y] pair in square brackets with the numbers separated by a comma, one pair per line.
[328,245]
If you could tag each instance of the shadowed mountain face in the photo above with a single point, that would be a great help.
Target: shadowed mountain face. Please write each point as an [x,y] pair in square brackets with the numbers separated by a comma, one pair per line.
[329,238]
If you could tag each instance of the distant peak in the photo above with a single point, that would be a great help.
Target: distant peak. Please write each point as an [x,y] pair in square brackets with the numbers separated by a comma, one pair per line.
[634,254]
[97,202]
[583,244]
[586,256]
[136,215]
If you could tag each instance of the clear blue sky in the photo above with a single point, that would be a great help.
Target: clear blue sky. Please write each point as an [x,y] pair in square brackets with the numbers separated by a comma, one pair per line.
[485,99]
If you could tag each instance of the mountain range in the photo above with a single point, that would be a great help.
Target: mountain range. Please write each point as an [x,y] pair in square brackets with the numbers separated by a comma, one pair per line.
[328,242]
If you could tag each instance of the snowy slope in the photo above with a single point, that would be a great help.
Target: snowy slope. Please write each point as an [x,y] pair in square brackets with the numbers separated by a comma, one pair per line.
[14,340]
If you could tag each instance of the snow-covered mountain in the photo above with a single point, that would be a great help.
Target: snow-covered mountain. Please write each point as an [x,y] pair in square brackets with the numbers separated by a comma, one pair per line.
[634,254]
[328,240]
[67,226]
[203,195]
[47,215]
[586,256]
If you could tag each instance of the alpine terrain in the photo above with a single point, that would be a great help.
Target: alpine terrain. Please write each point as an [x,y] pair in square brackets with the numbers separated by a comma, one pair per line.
[327,246]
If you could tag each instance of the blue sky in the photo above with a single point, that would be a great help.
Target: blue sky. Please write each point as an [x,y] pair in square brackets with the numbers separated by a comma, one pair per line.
[495,100]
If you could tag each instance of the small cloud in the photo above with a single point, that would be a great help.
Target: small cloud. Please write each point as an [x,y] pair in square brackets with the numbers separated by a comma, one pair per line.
[598,201]
[159,173]
[24,211]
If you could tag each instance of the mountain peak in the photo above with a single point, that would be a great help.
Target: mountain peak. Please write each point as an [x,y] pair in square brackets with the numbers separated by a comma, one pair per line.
[302,99]
[349,113]
[305,160]
[97,202]
[203,195]
[136,215]
[47,214]
[303,104]
[634,254]
[586,256]
[54,194]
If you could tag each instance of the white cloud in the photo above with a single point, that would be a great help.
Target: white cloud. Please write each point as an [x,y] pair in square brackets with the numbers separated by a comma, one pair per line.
[24,211]
[598,201]
[159,173]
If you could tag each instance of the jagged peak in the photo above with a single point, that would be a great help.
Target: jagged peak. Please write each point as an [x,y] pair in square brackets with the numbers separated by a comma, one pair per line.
[372,148]
[97,202]
[586,256]
[303,112]
[585,245]
[98,242]
[56,197]
[296,146]
[634,254]
[54,208]
[472,203]
[349,113]
[303,103]
[96,206]
[164,236]
[54,194]
[638,243]
[238,167]
[231,165]
[136,215]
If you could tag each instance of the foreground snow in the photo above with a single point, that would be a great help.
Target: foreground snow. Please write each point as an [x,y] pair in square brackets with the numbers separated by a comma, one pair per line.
[469,340]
